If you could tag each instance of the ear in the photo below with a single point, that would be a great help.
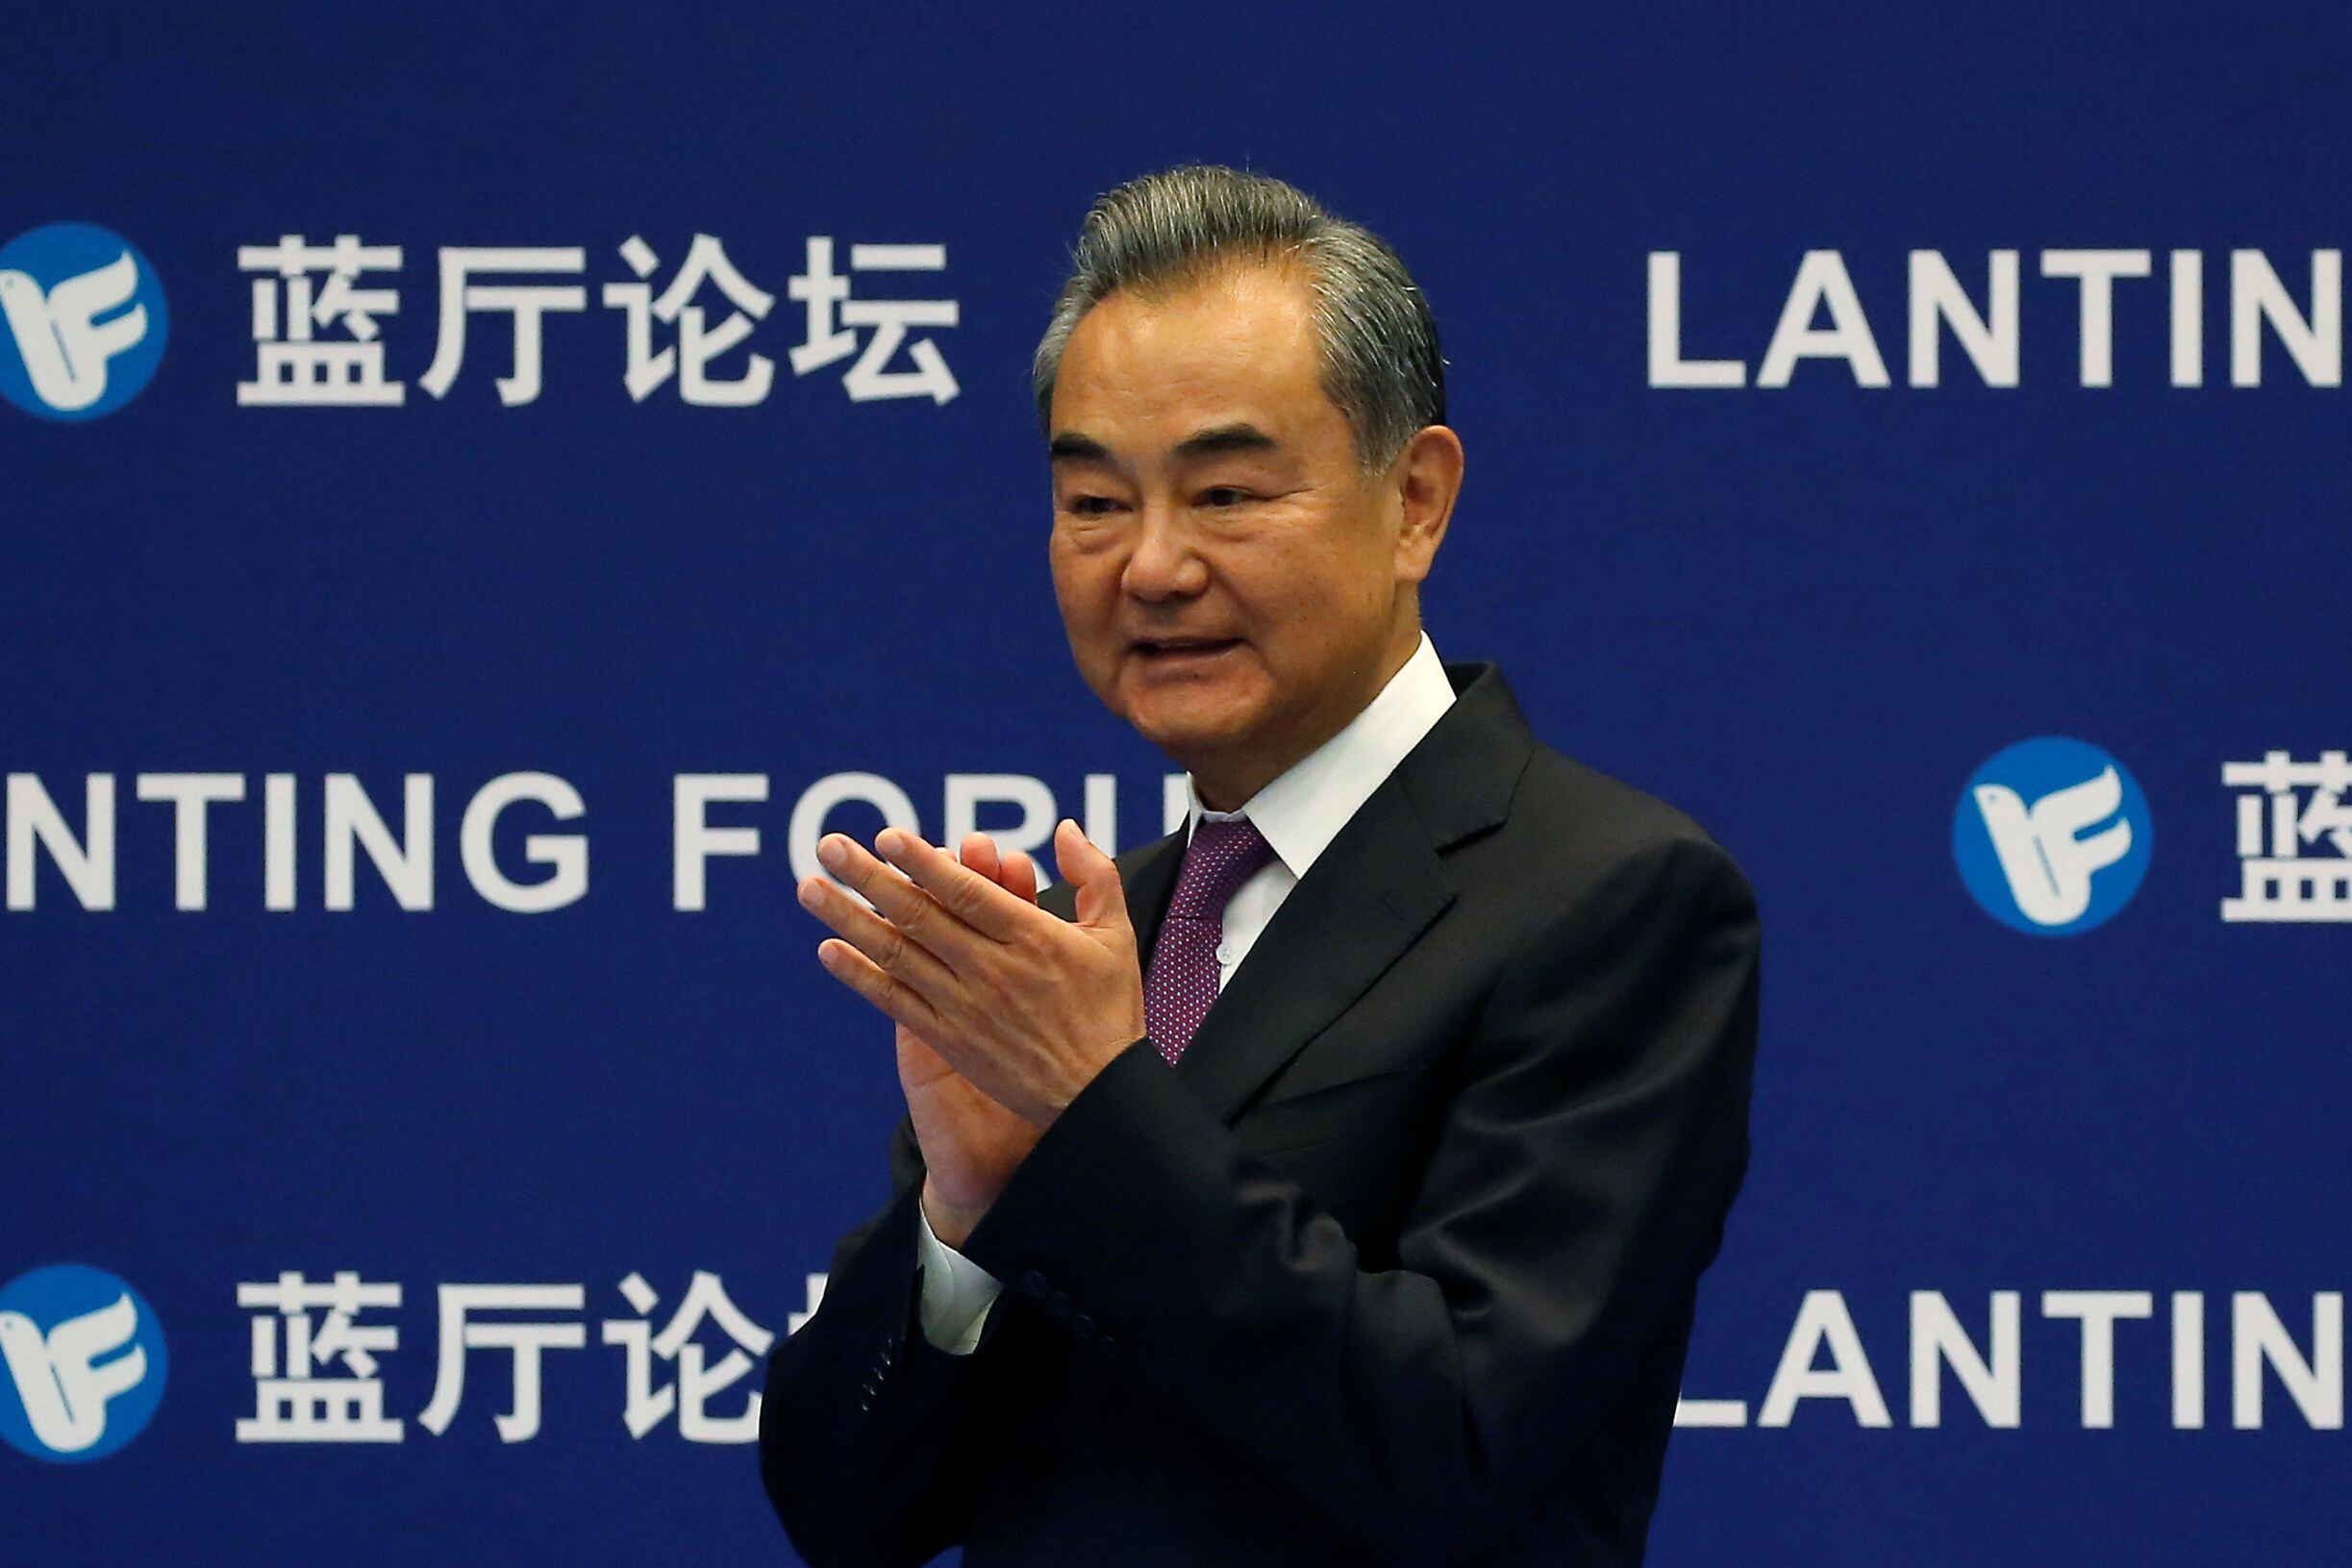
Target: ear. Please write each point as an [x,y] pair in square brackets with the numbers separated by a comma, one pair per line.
[1427,478]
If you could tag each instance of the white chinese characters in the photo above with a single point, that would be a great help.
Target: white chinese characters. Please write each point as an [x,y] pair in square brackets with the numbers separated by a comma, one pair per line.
[463,1330]
[294,366]
[697,346]
[2294,839]
[826,296]
[697,1379]
[319,341]
[296,1398]
[318,1378]
[528,303]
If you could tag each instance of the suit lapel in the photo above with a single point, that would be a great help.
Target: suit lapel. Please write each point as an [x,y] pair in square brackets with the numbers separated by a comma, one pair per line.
[1366,899]
[1360,905]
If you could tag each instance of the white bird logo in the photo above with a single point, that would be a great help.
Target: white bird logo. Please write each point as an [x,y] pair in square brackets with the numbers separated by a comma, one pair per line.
[64,1388]
[66,347]
[2042,853]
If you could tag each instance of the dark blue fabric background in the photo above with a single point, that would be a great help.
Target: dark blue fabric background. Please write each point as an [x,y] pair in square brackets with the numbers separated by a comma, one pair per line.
[1804,615]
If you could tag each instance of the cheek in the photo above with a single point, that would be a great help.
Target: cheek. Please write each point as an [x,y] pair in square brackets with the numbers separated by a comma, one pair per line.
[1297,598]
[1088,595]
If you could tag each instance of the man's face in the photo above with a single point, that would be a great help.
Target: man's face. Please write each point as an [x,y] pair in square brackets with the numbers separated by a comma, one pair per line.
[1232,583]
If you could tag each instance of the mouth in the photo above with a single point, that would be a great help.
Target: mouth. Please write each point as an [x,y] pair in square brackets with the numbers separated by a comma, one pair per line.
[1181,653]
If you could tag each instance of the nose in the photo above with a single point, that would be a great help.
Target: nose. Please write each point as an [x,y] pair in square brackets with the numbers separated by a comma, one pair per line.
[1164,563]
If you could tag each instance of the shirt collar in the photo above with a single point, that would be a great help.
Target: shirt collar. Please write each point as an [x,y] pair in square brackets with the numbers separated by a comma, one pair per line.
[1301,812]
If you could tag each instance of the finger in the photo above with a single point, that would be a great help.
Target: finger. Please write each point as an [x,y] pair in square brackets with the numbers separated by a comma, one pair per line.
[980,853]
[963,893]
[901,1002]
[913,912]
[1092,874]
[873,937]
[1008,868]
[1019,877]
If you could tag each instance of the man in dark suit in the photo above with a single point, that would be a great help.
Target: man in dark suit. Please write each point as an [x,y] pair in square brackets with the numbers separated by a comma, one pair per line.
[1329,1180]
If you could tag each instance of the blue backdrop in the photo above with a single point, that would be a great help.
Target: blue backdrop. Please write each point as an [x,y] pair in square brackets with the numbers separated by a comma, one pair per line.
[2043,1253]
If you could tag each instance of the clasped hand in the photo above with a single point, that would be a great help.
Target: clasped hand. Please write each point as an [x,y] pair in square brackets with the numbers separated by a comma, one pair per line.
[1024,1005]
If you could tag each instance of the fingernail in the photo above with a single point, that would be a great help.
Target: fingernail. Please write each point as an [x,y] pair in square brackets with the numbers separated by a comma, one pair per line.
[832,853]
[808,889]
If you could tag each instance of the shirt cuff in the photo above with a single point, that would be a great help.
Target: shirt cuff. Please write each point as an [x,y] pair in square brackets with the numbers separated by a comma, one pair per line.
[956,1292]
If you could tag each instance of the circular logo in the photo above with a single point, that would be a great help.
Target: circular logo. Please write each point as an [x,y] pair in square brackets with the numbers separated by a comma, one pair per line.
[85,322]
[84,1363]
[2052,836]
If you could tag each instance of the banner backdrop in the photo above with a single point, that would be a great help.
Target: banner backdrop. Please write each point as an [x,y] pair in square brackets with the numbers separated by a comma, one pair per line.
[482,491]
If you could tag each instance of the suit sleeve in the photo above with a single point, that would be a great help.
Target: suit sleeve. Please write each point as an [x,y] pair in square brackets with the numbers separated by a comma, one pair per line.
[1577,1189]
[862,1427]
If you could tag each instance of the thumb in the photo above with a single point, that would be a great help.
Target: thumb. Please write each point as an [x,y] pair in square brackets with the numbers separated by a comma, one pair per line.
[1093,874]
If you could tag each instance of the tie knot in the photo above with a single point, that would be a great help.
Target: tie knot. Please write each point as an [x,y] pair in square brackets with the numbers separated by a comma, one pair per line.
[1221,856]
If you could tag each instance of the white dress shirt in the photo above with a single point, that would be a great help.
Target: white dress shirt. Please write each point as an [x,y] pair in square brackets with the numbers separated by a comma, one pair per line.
[1300,814]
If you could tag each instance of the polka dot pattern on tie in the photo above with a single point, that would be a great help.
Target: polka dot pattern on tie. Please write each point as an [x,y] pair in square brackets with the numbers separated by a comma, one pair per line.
[1182,983]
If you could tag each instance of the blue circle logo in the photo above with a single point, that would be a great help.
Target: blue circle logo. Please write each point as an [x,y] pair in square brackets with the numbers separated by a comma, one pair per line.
[85,318]
[2052,836]
[85,1362]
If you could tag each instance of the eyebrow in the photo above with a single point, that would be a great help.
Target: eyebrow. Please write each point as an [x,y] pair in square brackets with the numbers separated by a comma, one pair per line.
[1070,446]
[1219,439]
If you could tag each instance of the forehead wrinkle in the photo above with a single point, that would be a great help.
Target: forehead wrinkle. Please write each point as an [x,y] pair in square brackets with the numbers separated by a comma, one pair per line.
[1231,364]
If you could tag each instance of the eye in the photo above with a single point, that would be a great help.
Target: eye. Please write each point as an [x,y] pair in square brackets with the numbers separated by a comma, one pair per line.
[1089,506]
[1223,496]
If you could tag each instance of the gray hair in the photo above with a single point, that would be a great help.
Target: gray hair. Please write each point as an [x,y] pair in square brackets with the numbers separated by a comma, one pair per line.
[1379,343]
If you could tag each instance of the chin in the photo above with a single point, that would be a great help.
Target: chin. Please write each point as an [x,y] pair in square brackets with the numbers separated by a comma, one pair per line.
[1186,723]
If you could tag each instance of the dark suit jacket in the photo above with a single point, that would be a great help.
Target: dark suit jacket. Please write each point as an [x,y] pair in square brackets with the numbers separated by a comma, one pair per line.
[1396,1265]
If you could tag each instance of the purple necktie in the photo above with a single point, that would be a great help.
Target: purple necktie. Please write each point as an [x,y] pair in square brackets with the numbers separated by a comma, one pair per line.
[1182,981]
